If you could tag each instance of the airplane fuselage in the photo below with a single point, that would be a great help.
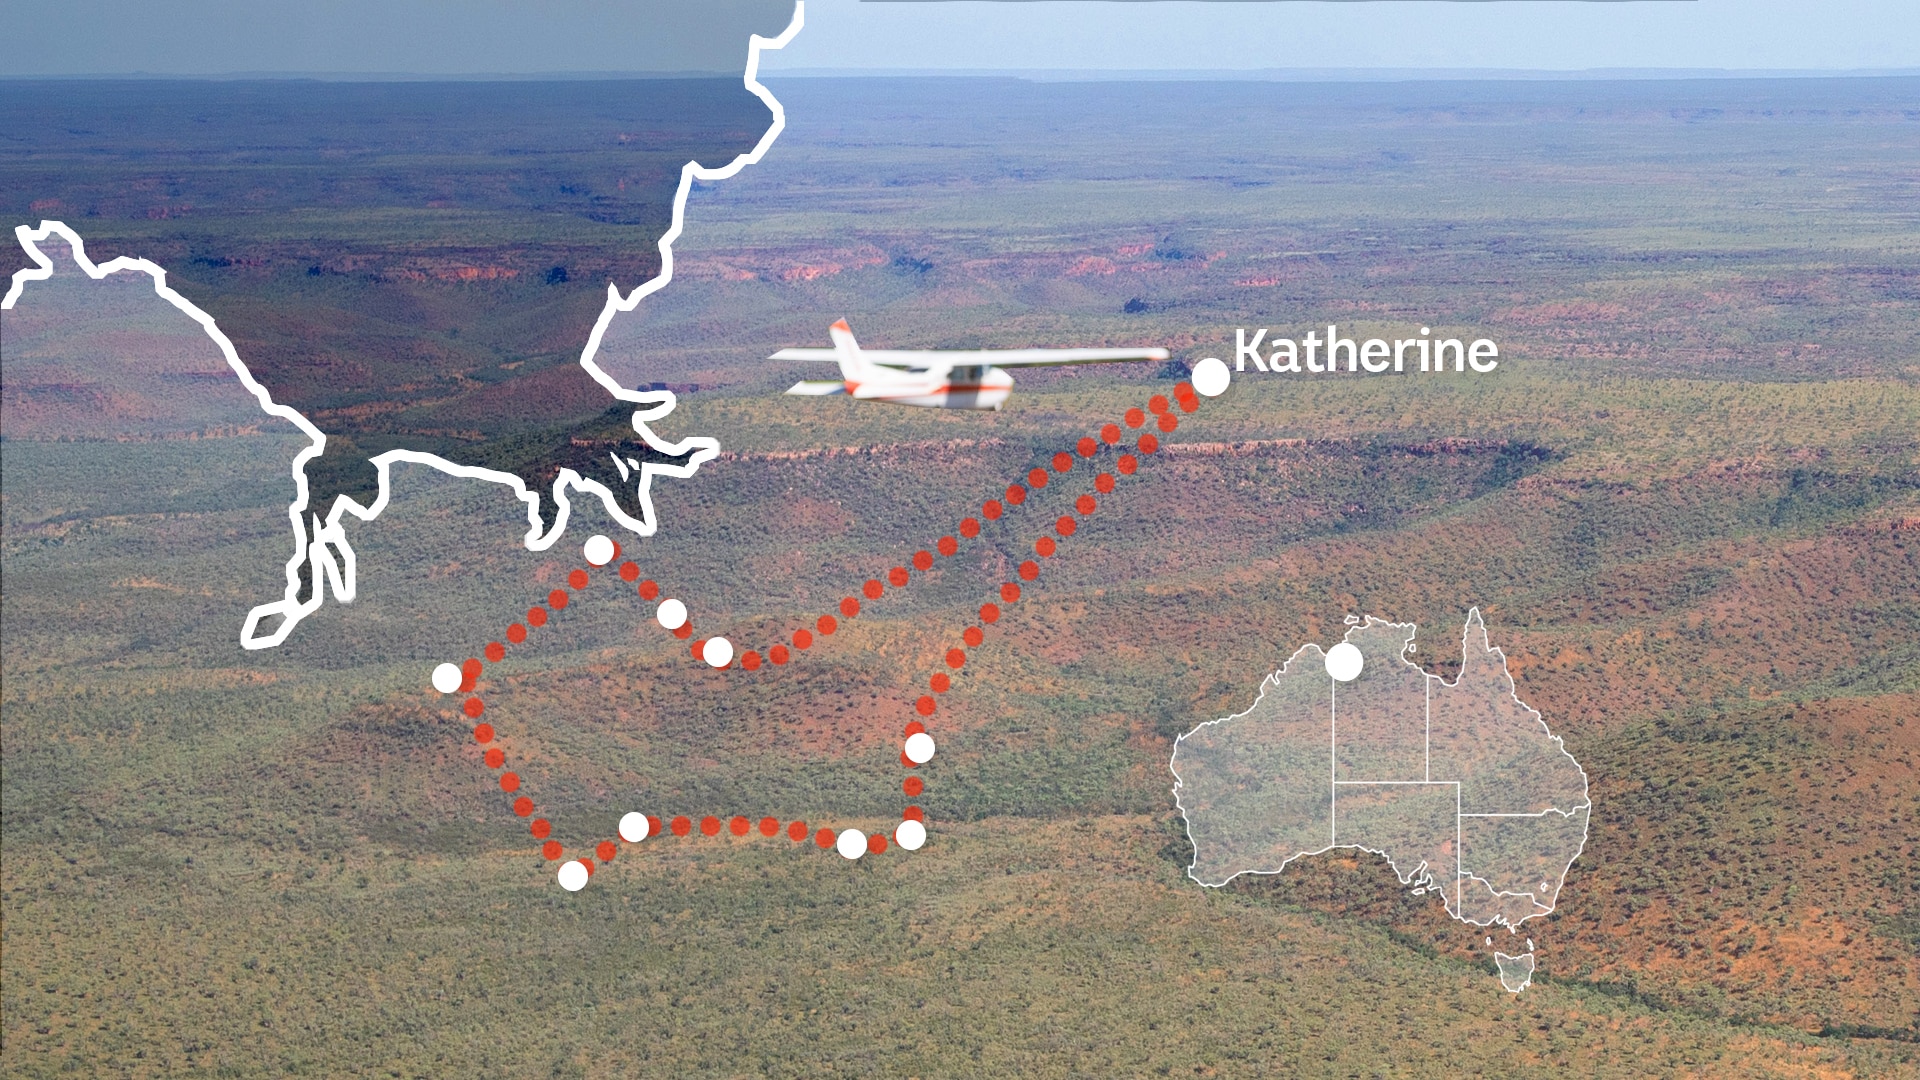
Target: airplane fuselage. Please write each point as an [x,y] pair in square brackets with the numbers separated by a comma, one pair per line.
[964,388]
[937,378]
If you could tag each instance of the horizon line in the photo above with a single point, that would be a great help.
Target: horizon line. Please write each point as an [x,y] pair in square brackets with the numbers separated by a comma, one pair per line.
[1348,74]
[1313,74]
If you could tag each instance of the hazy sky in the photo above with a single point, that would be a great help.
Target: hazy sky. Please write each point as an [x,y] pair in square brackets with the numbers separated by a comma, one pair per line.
[1550,34]
[505,36]
[444,37]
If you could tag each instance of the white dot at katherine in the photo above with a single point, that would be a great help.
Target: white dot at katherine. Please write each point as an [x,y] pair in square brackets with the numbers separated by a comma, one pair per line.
[1344,661]
[634,827]
[1211,377]
[919,748]
[852,844]
[910,834]
[598,550]
[447,678]
[717,651]
[573,876]
[672,614]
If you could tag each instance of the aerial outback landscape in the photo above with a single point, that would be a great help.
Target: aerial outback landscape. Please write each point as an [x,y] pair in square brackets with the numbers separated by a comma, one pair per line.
[326,228]
[1685,507]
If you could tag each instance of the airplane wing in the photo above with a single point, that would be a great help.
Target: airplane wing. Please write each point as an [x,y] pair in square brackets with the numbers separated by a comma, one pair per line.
[947,359]
[806,388]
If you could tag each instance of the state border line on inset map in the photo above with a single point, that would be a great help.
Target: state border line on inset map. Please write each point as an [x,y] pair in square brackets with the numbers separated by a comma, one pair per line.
[1583,808]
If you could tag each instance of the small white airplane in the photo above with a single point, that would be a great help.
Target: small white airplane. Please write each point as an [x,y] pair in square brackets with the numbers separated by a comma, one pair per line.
[937,378]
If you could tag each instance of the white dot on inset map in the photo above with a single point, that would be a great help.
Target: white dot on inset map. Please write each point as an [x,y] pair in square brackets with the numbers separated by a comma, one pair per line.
[1344,661]
[672,614]
[910,834]
[717,651]
[573,876]
[1210,377]
[598,550]
[919,748]
[634,827]
[852,844]
[447,678]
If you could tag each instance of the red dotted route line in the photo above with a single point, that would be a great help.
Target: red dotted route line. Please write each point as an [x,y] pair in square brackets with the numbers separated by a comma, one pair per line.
[803,639]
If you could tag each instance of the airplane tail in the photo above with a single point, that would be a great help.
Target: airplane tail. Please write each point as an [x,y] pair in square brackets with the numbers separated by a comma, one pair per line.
[854,368]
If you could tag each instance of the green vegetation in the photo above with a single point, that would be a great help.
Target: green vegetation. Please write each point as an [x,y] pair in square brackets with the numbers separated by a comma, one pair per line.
[1701,562]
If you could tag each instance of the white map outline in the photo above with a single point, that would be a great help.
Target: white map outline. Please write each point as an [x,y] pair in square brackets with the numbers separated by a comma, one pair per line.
[1523,975]
[328,534]
[1420,877]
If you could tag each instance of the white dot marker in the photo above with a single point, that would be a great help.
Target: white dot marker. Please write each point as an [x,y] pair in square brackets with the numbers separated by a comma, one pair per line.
[598,550]
[1344,661]
[447,678]
[919,748]
[717,651]
[634,827]
[672,614]
[910,834]
[1211,377]
[852,844]
[573,876]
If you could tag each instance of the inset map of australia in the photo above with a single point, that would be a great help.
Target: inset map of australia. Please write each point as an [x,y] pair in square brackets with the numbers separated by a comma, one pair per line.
[1460,785]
